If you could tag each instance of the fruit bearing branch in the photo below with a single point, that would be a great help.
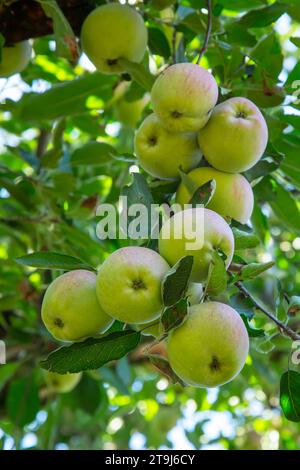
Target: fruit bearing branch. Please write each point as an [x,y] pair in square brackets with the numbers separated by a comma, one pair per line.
[282,327]
[208,30]
[26,19]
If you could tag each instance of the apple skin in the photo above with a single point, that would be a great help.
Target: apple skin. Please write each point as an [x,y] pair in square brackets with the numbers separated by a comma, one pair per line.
[62,383]
[183,96]
[70,308]
[233,196]
[15,58]
[235,137]
[210,348]
[162,153]
[215,234]
[129,284]
[112,32]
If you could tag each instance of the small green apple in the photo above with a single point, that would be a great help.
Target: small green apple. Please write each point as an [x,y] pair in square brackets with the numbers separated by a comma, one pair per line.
[197,232]
[183,97]
[70,308]
[235,137]
[15,58]
[233,196]
[162,153]
[112,32]
[62,383]
[129,284]
[210,348]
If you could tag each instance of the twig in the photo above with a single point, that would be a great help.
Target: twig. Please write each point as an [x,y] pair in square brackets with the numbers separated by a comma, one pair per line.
[284,329]
[174,35]
[208,30]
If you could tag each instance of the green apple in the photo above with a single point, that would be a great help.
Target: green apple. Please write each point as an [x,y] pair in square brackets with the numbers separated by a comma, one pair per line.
[15,58]
[197,232]
[233,196]
[183,97]
[62,383]
[129,284]
[194,292]
[210,348]
[70,308]
[112,32]
[129,112]
[162,153]
[235,137]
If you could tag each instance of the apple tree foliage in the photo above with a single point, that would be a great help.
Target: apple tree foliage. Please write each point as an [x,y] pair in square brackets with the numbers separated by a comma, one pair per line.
[63,151]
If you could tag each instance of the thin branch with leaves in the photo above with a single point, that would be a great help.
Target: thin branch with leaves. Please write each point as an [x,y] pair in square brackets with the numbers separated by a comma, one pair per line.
[208,31]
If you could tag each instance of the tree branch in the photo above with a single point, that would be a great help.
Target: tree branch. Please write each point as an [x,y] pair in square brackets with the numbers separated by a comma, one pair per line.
[284,329]
[208,30]
[25,19]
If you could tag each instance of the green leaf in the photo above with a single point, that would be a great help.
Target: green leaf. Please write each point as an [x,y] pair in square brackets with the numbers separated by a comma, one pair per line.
[164,367]
[239,35]
[203,194]
[295,41]
[290,395]
[22,401]
[264,345]
[262,168]
[92,353]
[252,270]
[158,43]
[6,372]
[65,98]
[267,54]
[138,193]
[174,316]
[244,240]
[51,260]
[176,281]
[261,17]
[86,395]
[190,185]
[217,276]
[93,153]
[252,332]
[66,44]
[286,208]
[139,73]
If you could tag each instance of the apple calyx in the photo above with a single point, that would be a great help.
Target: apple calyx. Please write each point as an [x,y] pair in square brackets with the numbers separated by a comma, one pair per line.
[138,284]
[215,365]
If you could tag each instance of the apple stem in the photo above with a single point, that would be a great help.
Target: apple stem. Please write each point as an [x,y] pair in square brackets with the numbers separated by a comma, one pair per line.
[208,30]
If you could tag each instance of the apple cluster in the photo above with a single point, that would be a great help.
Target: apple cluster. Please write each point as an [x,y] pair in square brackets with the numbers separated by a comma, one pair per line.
[211,346]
